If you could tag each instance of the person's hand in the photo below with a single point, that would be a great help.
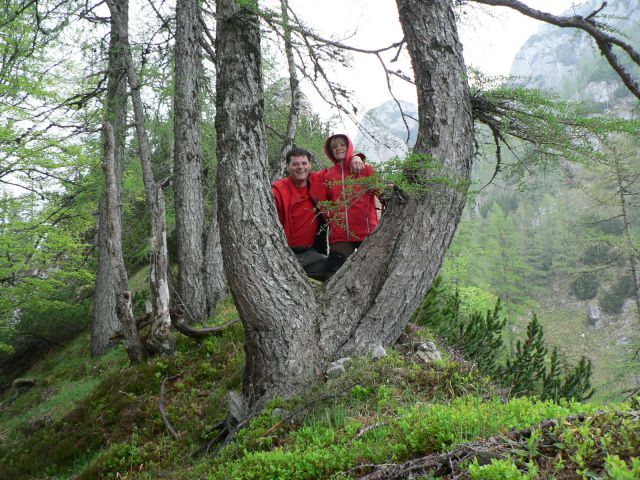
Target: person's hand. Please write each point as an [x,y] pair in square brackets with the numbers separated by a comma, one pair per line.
[357,165]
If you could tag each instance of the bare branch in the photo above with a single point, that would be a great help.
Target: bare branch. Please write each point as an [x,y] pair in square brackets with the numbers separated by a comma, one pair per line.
[587,24]
[163,412]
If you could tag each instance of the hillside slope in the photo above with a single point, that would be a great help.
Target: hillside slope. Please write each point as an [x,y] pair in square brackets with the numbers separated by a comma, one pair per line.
[395,417]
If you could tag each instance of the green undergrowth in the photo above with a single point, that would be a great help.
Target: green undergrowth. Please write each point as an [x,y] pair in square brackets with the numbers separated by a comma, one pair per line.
[100,419]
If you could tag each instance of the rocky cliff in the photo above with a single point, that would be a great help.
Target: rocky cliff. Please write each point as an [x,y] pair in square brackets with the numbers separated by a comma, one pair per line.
[567,62]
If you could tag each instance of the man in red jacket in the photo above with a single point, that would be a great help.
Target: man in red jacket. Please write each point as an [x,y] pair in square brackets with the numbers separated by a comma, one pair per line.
[296,197]
[353,215]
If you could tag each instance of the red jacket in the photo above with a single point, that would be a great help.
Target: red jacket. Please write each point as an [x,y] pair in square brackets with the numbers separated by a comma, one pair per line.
[296,210]
[354,215]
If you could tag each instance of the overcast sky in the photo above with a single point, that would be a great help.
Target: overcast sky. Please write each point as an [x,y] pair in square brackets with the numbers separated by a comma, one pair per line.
[491,37]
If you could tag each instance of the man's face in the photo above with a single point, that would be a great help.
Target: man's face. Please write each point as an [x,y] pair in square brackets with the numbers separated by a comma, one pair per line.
[299,168]
[339,148]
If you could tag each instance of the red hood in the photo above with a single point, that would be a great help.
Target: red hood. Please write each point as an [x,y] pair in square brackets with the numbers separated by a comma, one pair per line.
[327,150]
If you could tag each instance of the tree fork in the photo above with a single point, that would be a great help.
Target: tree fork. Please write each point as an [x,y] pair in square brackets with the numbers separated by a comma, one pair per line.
[293,330]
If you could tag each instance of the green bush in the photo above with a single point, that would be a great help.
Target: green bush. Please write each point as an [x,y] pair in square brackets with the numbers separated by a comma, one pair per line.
[611,303]
[597,254]
[530,370]
[625,287]
[585,286]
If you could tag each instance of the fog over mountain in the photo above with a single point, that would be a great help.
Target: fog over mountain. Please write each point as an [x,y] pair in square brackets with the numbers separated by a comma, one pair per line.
[567,62]
[563,61]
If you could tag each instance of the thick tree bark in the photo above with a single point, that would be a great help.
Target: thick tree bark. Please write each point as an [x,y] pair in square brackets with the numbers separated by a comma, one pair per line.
[293,331]
[188,186]
[124,307]
[274,299]
[373,298]
[104,322]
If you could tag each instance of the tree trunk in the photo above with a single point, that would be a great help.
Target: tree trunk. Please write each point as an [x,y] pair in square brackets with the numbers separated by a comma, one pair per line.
[280,168]
[632,251]
[124,307]
[104,322]
[293,330]
[214,279]
[188,186]
[160,340]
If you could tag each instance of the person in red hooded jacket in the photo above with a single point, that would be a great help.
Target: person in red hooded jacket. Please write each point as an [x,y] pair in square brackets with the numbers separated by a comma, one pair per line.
[296,198]
[353,215]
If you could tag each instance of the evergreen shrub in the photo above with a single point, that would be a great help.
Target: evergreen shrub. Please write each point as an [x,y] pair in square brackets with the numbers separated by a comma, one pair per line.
[531,370]
[597,254]
[585,286]
[625,287]
[611,303]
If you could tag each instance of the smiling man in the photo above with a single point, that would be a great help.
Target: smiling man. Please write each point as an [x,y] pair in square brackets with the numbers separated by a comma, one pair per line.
[295,198]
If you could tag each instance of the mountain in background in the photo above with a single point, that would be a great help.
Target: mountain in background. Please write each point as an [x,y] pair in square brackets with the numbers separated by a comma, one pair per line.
[564,61]
[567,61]
[383,133]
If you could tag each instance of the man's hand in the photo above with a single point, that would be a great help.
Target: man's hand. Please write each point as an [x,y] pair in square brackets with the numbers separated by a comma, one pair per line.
[357,165]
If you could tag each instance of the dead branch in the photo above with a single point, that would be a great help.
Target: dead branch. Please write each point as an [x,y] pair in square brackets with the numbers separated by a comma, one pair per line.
[163,412]
[182,327]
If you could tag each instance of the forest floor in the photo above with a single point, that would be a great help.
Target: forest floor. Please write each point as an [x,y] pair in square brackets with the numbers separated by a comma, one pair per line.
[395,417]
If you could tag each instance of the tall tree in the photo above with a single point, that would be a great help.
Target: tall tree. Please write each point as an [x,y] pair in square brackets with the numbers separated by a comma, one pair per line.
[105,321]
[124,306]
[293,330]
[160,339]
[188,185]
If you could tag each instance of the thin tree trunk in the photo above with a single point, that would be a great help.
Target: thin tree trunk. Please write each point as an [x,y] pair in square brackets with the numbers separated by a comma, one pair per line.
[189,197]
[114,245]
[296,96]
[214,279]
[632,252]
[104,321]
[160,340]
[293,330]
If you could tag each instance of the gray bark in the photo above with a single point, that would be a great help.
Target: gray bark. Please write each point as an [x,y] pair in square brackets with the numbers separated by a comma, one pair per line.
[280,168]
[278,314]
[293,331]
[104,321]
[124,307]
[188,186]
[214,279]
[160,339]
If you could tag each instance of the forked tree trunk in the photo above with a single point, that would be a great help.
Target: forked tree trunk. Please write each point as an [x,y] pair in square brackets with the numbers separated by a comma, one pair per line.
[188,185]
[104,321]
[293,330]
[124,307]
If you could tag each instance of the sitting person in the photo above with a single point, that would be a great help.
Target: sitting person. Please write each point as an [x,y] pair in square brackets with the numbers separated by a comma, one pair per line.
[295,198]
[354,215]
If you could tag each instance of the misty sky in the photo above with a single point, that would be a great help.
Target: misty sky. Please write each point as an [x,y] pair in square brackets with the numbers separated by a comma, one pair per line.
[491,37]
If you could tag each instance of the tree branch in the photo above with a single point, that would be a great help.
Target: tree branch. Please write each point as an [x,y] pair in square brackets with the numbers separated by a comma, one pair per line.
[587,24]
